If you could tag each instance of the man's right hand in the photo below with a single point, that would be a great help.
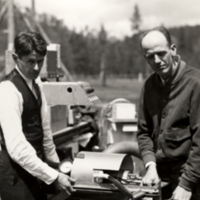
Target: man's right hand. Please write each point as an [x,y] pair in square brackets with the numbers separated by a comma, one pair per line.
[65,183]
[151,176]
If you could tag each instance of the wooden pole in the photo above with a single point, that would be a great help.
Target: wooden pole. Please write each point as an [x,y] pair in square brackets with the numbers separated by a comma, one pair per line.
[11,27]
[33,14]
[25,19]
[3,10]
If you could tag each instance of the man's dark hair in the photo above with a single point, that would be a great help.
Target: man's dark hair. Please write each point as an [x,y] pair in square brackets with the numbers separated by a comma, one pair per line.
[161,29]
[25,43]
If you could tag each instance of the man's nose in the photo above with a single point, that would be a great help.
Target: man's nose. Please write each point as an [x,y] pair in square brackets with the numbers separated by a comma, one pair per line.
[156,58]
[36,67]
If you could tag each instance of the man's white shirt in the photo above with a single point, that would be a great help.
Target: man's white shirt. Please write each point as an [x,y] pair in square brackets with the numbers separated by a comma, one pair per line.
[19,149]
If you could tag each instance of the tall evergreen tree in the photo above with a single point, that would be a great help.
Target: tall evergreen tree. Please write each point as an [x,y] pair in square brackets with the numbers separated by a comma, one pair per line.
[136,19]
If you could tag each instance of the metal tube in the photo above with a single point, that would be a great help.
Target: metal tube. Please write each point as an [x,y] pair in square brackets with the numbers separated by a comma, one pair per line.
[67,134]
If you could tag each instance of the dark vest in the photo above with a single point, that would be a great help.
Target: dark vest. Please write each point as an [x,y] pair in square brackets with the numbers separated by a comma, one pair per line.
[31,115]
[12,174]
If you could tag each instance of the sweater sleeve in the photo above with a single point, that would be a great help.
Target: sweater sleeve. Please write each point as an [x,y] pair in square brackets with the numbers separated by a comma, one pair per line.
[145,130]
[191,174]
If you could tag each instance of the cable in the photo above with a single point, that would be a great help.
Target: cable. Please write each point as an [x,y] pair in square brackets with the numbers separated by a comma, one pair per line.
[120,187]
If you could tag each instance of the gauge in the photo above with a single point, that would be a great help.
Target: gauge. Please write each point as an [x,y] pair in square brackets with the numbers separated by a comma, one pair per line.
[65,166]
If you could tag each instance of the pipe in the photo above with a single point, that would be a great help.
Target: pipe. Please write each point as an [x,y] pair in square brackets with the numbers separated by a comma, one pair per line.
[67,134]
[126,147]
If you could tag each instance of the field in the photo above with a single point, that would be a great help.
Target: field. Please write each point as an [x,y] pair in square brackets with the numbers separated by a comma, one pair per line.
[116,88]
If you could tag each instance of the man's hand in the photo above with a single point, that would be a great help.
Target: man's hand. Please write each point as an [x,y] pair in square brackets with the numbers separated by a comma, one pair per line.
[181,194]
[151,176]
[65,183]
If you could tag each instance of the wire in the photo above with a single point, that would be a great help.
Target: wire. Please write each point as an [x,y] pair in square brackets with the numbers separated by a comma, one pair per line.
[120,187]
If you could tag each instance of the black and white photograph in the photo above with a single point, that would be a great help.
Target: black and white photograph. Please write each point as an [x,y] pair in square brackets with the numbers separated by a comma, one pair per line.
[99,100]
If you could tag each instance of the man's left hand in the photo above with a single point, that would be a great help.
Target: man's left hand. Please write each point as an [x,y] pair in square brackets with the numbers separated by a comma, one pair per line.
[181,194]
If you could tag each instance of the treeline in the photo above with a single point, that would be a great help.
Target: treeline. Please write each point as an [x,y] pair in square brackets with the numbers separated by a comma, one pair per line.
[84,53]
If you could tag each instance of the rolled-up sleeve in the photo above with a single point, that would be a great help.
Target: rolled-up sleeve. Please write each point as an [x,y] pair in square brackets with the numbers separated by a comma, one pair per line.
[49,147]
[19,149]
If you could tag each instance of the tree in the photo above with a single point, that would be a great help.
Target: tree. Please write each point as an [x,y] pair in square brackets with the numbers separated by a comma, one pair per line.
[136,19]
[103,41]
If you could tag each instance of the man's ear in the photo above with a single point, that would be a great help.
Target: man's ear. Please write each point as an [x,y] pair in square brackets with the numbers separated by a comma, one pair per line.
[15,57]
[173,49]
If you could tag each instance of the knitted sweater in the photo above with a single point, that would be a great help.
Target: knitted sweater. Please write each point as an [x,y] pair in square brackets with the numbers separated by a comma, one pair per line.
[169,121]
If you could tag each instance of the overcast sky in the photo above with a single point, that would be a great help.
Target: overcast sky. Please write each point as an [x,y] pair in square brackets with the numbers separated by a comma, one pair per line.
[115,14]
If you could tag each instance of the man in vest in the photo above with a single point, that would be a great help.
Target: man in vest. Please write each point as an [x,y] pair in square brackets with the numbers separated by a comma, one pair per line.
[25,134]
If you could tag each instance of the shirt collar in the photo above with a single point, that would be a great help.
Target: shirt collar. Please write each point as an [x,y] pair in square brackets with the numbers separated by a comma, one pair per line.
[27,80]
[181,65]
[163,80]
[37,80]
[178,71]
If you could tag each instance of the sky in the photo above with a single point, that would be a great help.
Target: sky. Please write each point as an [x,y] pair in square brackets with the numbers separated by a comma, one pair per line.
[115,15]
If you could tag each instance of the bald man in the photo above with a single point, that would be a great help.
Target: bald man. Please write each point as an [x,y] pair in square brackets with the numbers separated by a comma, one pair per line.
[169,118]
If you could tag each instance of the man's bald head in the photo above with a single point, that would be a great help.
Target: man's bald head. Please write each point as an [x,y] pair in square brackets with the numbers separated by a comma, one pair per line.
[152,40]
[162,30]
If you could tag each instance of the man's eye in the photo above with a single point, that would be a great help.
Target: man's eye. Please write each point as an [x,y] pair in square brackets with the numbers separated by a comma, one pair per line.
[40,61]
[31,61]
[161,53]
[149,56]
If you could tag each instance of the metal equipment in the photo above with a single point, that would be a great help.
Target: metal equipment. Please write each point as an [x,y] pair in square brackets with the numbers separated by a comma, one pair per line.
[68,124]
[78,129]
[69,93]
[118,122]
[107,176]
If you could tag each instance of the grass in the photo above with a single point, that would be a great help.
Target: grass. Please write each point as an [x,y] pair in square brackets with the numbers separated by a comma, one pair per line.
[117,88]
